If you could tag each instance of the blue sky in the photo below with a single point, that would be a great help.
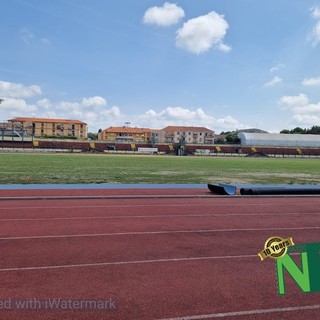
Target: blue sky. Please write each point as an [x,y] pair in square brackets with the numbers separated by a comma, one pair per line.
[224,64]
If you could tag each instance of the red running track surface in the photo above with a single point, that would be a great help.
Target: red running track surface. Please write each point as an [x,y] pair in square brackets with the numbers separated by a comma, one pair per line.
[149,254]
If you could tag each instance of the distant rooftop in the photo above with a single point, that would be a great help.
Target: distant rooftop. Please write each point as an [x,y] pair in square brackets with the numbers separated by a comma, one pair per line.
[126,130]
[45,120]
[251,130]
[187,128]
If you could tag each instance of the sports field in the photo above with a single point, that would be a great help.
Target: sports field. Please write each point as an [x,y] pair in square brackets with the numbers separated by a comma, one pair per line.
[92,168]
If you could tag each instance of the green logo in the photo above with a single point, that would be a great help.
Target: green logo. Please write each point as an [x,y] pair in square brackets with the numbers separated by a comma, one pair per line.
[302,263]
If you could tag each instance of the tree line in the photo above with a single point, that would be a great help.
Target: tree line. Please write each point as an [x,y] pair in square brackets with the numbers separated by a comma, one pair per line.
[298,130]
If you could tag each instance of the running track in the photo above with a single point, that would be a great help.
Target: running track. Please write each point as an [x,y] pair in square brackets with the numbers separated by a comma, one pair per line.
[153,253]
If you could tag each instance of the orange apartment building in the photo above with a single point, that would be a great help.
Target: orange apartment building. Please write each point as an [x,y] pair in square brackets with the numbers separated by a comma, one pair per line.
[125,134]
[46,127]
[170,134]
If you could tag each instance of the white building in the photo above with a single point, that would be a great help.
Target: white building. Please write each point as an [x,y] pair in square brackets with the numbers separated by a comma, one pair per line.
[190,135]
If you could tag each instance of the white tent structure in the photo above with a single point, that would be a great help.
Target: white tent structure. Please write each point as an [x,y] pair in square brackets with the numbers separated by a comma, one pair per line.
[279,139]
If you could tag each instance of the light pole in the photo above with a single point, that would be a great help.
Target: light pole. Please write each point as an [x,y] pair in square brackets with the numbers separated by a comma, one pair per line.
[2,129]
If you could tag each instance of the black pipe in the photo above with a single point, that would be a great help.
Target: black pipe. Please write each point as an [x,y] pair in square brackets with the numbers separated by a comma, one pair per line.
[224,189]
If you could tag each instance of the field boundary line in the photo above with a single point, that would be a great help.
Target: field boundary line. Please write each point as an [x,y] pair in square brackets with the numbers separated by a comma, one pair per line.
[245,313]
[166,205]
[113,263]
[137,233]
[173,216]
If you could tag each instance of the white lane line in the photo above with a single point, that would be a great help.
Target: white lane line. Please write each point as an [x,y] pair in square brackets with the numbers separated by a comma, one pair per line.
[236,204]
[163,216]
[154,233]
[116,263]
[246,313]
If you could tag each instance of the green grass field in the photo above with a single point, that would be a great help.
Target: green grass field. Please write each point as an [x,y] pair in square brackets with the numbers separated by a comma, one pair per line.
[92,168]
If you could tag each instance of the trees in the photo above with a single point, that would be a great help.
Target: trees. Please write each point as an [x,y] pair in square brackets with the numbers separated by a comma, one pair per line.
[92,136]
[232,138]
[298,130]
[314,130]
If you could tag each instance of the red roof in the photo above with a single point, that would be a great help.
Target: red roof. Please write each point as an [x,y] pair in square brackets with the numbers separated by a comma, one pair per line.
[185,128]
[126,130]
[46,120]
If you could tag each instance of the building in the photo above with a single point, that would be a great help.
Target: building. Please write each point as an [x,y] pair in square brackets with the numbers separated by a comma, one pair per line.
[46,127]
[188,135]
[279,139]
[126,134]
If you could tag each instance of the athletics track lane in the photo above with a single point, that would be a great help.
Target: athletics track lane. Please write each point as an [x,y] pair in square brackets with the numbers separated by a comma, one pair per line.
[157,258]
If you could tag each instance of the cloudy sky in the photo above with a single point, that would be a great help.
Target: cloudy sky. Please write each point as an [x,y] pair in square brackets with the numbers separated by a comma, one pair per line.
[223,64]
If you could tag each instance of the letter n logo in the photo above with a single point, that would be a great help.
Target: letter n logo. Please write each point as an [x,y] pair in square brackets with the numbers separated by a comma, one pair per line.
[307,277]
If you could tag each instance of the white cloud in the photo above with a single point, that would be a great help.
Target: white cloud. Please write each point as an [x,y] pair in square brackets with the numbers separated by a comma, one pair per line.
[17,90]
[200,34]
[91,116]
[229,122]
[185,117]
[294,101]
[182,113]
[30,38]
[307,120]
[304,112]
[94,101]
[114,111]
[44,103]
[167,15]
[48,114]
[68,107]
[277,67]
[311,82]
[224,47]
[45,41]
[26,36]
[314,36]
[15,107]
[310,108]
[315,12]
[174,116]
[273,82]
